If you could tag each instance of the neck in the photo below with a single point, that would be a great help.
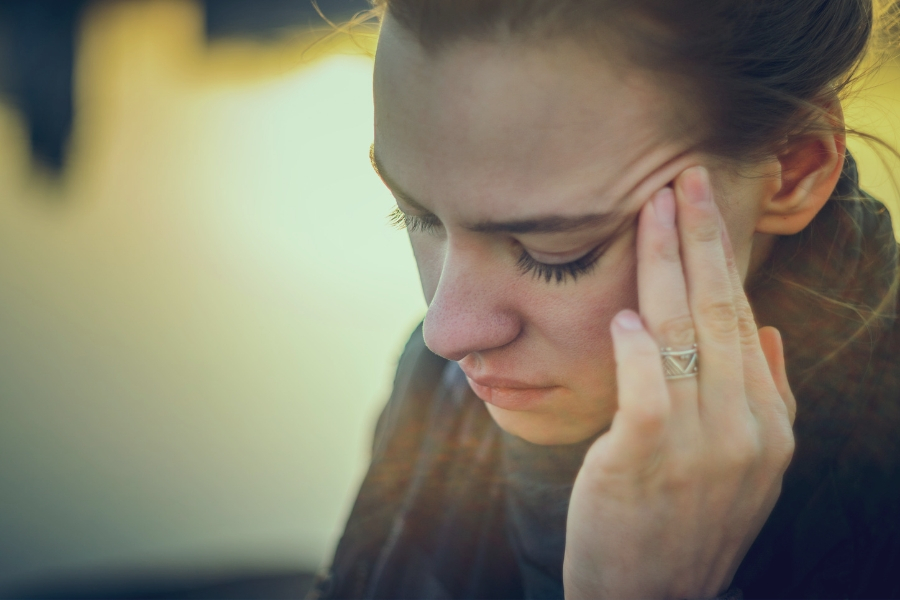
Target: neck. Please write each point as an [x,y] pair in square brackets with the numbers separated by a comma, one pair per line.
[759,253]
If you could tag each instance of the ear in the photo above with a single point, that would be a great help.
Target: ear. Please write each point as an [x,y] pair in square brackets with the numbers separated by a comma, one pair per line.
[810,169]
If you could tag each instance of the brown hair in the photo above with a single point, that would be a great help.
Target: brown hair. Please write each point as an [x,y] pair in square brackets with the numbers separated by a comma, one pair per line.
[756,74]
[761,72]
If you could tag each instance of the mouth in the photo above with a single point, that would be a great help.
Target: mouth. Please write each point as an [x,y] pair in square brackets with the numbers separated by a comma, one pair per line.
[510,394]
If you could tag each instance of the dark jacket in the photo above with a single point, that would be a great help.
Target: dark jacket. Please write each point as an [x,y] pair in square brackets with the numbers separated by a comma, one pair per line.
[432,519]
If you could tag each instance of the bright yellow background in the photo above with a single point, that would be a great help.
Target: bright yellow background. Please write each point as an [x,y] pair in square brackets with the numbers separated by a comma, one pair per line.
[200,319]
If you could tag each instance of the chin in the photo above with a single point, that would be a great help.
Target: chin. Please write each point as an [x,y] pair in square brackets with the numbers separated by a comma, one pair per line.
[548,429]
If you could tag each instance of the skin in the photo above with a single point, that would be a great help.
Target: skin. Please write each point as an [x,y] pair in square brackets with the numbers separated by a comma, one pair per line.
[499,132]
[488,133]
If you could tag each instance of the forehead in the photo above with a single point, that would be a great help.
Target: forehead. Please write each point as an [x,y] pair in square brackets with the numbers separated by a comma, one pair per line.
[506,127]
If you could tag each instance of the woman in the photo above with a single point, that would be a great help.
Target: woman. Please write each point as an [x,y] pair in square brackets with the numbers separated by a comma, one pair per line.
[615,208]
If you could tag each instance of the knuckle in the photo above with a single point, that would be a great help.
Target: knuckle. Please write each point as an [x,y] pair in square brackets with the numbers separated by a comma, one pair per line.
[706,231]
[778,461]
[743,451]
[782,445]
[751,451]
[677,331]
[787,453]
[682,470]
[746,322]
[740,443]
[789,448]
[650,418]
[720,317]
[731,263]
[666,249]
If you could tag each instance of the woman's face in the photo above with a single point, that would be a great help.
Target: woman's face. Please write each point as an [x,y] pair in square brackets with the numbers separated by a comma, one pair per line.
[522,170]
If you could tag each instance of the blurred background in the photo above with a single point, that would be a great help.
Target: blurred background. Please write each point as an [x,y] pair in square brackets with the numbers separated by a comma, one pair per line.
[201,304]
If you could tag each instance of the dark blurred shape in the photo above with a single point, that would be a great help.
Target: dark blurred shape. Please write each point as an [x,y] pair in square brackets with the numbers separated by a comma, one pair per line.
[37,45]
[37,53]
[274,586]
[271,18]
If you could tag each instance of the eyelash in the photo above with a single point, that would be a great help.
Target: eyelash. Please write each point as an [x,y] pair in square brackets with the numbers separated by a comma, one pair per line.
[400,220]
[561,272]
[526,263]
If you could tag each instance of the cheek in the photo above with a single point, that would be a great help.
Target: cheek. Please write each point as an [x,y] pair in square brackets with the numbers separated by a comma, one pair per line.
[576,321]
[569,323]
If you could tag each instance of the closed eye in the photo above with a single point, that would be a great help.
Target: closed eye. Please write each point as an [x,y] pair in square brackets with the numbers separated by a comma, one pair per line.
[559,272]
[412,223]
[563,271]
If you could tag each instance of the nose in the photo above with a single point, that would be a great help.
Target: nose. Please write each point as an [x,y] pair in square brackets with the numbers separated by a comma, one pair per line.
[471,311]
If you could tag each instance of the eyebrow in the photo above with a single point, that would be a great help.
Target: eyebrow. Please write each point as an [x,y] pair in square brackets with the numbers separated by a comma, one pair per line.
[548,224]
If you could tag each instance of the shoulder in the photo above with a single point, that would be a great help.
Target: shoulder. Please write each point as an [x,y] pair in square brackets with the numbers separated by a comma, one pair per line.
[415,505]
[851,525]
[832,291]
[868,467]
[417,378]
[399,434]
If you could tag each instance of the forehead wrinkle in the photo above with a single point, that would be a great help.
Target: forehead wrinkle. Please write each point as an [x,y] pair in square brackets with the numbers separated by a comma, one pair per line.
[547,153]
[535,225]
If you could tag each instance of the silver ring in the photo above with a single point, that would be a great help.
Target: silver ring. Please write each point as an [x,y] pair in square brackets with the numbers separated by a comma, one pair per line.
[678,364]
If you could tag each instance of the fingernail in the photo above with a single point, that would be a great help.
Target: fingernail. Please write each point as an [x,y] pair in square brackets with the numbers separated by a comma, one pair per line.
[699,190]
[664,207]
[629,321]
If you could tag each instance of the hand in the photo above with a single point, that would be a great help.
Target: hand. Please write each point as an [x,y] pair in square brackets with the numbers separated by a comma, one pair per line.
[669,500]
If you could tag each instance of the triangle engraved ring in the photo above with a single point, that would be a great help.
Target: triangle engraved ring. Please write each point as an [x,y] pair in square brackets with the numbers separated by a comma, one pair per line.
[679,364]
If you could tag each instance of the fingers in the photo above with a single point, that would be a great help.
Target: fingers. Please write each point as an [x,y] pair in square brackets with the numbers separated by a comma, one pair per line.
[773,349]
[644,405]
[762,349]
[689,288]
[710,296]
[662,295]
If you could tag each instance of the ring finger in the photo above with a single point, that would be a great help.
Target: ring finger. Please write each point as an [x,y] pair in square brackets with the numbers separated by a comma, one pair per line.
[662,291]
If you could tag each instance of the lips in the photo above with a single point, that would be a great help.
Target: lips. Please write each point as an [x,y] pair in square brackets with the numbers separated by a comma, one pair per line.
[510,394]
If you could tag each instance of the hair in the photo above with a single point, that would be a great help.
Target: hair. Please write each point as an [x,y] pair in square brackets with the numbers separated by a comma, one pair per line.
[758,73]
[751,77]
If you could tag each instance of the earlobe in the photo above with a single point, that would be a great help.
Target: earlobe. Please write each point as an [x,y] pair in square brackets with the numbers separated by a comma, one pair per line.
[809,170]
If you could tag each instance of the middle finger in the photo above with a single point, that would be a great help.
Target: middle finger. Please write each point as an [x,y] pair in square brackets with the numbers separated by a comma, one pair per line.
[710,294]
